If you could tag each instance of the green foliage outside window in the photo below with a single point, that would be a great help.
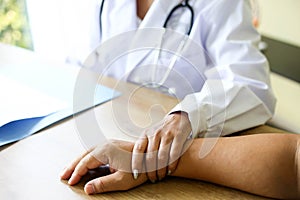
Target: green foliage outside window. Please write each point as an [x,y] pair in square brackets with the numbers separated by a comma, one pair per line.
[14,26]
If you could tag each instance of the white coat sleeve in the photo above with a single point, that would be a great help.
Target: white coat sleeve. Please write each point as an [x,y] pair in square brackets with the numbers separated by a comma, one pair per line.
[237,94]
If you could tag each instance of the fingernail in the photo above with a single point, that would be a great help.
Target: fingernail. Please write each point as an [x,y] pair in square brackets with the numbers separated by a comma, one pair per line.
[169,172]
[90,189]
[135,173]
[70,181]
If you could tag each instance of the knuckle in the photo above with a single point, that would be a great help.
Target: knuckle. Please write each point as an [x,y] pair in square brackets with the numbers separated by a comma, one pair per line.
[89,158]
[138,147]
[171,119]
[162,158]
[153,140]
[122,184]
[120,178]
[156,136]
[150,156]
[166,143]
[140,144]
[168,134]
[99,185]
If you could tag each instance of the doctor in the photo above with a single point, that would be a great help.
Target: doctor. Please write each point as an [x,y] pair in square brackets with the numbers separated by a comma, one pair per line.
[225,90]
[220,74]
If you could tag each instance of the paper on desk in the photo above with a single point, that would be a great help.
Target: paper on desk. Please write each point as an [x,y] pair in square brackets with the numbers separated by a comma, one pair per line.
[19,101]
[20,129]
[53,86]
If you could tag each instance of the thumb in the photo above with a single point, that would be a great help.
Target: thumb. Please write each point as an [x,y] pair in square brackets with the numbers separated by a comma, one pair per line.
[113,182]
[101,184]
[108,183]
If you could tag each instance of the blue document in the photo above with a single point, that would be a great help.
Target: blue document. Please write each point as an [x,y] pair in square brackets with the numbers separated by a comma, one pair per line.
[35,96]
[20,129]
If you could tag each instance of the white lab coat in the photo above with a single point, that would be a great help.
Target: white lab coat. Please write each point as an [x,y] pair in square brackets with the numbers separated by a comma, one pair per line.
[222,77]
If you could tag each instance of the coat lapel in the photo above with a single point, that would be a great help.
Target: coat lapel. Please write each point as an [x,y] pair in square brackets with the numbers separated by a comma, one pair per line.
[148,40]
[118,16]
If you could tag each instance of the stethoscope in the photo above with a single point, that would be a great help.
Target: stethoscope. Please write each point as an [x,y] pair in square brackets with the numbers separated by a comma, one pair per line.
[184,4]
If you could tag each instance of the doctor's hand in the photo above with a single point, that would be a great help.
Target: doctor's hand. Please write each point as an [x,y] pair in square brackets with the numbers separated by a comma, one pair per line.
[161,146]
[117,154]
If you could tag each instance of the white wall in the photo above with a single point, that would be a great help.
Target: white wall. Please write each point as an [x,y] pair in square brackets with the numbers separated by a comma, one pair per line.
[280,19]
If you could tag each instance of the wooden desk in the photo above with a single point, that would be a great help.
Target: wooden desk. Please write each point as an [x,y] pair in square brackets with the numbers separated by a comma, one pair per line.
[29,169]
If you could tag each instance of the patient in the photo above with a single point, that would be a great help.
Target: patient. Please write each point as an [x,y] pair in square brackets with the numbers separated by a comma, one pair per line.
[240,97]
[262,164]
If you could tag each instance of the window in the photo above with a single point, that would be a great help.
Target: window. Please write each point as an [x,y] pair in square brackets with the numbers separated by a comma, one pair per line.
[14,26]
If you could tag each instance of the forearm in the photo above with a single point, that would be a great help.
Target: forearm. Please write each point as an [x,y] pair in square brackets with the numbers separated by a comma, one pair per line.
[263,164]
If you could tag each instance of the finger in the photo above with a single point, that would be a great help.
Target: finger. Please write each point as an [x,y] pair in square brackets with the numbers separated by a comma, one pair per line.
[113,182]
[67,171]
[138,155]
[85,164]
[163,155]
[151,156]
[175,153]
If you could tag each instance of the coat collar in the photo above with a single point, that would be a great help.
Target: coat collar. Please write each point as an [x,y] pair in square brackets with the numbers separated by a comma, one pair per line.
[120,16]
[158,13]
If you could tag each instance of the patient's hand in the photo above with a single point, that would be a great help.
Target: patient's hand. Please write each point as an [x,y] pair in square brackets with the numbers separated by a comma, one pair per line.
[115,153]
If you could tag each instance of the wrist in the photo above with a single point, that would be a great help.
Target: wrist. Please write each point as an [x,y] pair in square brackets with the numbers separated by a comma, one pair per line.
[190,165]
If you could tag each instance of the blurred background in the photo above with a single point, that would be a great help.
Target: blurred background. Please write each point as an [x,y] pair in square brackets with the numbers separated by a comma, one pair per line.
[276,20]
[14,26]
[280,28]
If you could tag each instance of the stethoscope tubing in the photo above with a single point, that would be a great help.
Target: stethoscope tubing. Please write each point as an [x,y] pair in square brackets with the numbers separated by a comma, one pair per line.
[183,4]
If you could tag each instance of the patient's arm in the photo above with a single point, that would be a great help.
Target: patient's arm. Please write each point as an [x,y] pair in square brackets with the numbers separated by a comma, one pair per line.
[264,164]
